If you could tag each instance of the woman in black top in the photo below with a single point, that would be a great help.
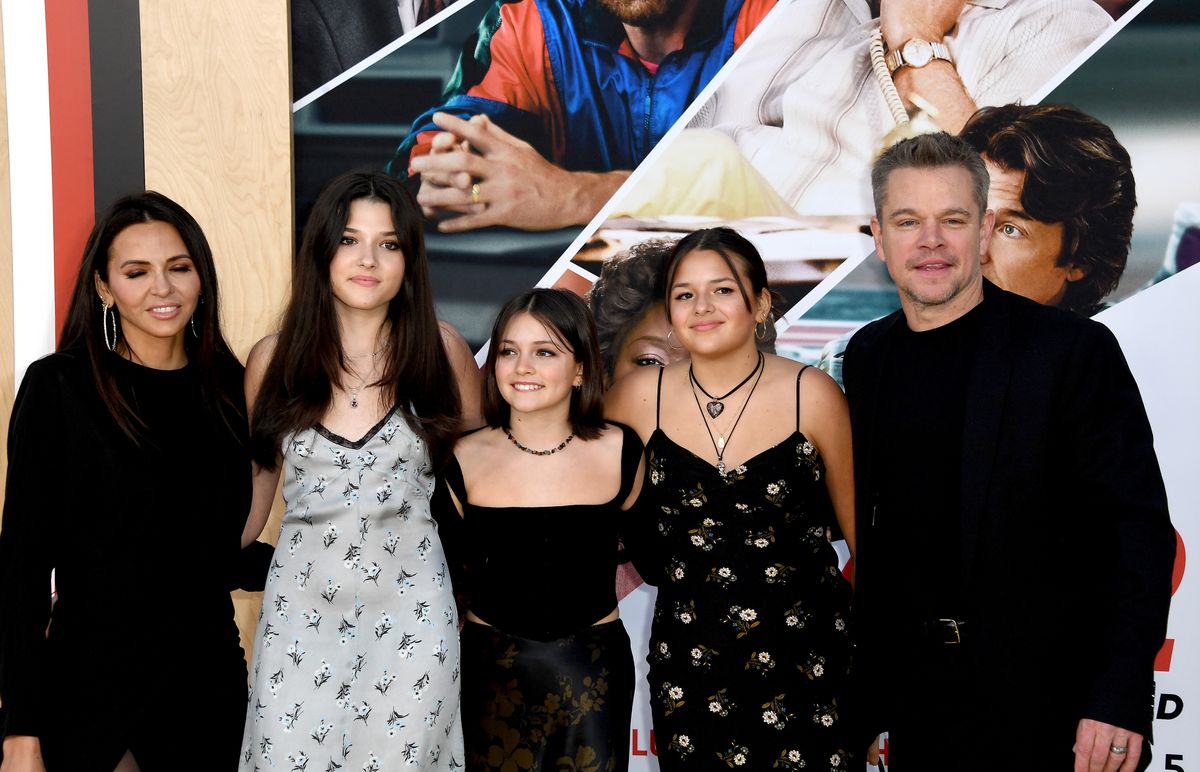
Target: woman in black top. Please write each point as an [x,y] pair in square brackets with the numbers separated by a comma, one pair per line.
[129,483]
[547,667]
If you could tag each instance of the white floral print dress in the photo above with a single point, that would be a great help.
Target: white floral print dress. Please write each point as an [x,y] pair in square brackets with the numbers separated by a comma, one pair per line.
[356,658]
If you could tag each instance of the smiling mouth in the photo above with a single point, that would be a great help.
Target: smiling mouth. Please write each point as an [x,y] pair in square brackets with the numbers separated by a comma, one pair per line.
[527,387]
[164,312]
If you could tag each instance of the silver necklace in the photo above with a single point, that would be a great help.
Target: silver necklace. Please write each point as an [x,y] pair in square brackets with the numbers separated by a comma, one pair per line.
[362,382]
[721,443]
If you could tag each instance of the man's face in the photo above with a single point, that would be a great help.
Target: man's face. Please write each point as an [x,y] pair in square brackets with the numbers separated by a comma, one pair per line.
[930,237]
[1024,252]
[644,13]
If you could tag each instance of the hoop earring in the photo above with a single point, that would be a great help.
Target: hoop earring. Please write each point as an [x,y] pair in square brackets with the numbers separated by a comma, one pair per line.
[192,324]
[669,343]
[763,336]
[105,317]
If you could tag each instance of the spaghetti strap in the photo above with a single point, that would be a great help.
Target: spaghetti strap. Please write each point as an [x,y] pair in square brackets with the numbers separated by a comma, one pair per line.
[658,398]
[631,457]
[802,369]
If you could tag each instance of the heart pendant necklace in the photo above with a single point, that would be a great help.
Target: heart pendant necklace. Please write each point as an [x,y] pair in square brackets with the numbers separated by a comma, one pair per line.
[715,404]
[719,443]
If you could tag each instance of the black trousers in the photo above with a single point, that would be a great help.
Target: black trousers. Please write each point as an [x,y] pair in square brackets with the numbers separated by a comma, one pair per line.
[942,719]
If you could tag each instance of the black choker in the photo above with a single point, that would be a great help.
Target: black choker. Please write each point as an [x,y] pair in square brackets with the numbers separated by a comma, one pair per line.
[715,405]
[533,452]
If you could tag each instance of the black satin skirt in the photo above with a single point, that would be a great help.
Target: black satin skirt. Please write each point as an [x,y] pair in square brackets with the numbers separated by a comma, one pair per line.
[547,705]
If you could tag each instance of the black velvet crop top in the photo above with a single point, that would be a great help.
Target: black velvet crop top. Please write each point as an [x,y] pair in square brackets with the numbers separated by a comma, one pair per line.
[542,572]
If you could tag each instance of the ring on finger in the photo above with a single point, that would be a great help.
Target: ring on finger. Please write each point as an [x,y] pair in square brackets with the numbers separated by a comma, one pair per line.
[475,193]
[1118,749]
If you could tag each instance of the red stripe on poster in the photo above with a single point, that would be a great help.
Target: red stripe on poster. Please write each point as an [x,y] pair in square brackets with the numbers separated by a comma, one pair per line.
[70,75]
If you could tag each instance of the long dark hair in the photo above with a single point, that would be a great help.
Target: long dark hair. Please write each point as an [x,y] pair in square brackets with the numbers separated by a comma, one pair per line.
[84,327]
[567,319]
[308,361]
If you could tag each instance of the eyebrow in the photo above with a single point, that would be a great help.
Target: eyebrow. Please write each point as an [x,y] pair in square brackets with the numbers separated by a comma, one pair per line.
[1019,214]
[943,213]
[147,262]
[534,343]
[713,281]
[356,230]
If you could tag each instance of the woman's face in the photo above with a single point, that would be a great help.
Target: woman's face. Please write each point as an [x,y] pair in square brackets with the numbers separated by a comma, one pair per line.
[368,267]
[708,313]
[534,371]
[153,283]
[646,344]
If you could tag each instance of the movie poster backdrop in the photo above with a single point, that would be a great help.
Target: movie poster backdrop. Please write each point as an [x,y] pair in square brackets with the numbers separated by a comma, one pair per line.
[806,206]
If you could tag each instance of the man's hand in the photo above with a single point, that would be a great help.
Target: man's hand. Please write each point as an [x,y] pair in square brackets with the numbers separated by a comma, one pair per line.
[937,83]
[1094,741]
[445,142]
[489,177]
[902,20]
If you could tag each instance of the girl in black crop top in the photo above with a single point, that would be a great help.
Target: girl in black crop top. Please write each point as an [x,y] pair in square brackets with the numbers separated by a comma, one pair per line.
[547,667]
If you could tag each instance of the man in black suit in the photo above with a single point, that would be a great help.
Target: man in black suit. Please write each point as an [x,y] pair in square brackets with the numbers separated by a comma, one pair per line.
[1014,547]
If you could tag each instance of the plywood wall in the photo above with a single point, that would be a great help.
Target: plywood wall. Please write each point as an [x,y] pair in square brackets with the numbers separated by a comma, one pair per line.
[217,106]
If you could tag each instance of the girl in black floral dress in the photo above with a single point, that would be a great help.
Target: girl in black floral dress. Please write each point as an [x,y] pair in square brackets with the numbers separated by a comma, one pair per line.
[748,477]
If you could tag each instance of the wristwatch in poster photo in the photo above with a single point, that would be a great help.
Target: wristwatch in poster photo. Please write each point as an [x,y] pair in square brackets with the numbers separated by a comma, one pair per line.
[916,53]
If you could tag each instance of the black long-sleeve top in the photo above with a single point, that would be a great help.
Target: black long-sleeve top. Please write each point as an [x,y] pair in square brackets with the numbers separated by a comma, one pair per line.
[143,542]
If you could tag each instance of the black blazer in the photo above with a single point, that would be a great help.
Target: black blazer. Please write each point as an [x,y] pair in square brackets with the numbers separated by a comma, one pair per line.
[1067,547]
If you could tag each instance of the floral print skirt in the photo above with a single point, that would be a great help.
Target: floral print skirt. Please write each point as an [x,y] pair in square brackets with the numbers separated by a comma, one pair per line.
[547,705]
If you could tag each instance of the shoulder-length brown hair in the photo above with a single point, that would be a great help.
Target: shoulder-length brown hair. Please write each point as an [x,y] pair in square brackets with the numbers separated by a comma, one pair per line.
[567,319]
[308,361]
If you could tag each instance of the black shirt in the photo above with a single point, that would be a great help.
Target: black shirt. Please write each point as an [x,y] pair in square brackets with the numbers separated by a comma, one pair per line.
[918,441]
[543,572]
[143,540]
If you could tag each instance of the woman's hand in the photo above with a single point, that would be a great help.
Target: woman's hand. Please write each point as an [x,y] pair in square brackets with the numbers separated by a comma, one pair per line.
[22,753]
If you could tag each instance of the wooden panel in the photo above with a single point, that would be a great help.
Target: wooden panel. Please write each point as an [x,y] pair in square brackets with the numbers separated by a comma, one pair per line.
[7,389]
[218,140]
[217,106]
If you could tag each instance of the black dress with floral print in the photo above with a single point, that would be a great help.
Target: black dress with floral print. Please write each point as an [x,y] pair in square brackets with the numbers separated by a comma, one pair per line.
[750,646]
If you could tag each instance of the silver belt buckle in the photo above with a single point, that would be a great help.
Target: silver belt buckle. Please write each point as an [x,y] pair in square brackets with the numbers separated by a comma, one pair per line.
[953,625]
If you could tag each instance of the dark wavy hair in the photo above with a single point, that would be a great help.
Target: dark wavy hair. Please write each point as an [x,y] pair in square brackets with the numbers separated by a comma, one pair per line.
[630,284]
[308,360]
[1077,174]
[567,319]
[735,249]
[84,330]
